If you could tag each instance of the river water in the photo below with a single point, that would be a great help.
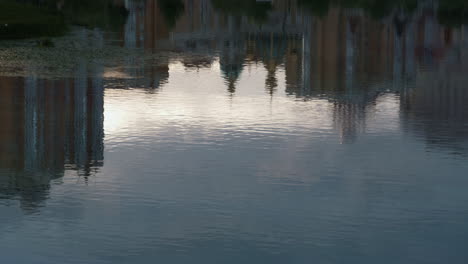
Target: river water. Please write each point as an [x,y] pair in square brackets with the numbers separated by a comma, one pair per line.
[209,136]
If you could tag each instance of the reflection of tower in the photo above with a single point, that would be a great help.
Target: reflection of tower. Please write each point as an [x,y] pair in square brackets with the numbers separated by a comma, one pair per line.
[49,126]
[133,27]
[272,50]
[231,67]
[80,113]
[232,56]
[270,64]
[31,123]
[271,81]
[88,115]
[95,105]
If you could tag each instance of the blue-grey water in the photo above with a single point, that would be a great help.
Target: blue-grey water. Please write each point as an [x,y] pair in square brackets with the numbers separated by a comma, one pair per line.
[197,133]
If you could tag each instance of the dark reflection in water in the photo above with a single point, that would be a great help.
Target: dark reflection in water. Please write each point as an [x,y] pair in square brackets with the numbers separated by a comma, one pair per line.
[436,108]
[236,131]
[344,55]
[47,127]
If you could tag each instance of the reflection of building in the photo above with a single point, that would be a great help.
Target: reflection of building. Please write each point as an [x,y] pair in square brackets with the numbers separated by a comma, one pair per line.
[344,56]
[351,58]
[434,106]
[48,126]
[345,49]
[145,28]
[436,109]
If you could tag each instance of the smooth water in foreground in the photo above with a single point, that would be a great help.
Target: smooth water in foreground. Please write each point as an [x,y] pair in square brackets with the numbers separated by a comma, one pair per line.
[209,136]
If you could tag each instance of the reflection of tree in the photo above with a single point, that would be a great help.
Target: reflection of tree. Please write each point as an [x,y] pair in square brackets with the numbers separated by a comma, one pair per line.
[92,13]
[171,10]
[317,7]
[450,12]
[258,11]
[453,12]
[376,9]
[26,19]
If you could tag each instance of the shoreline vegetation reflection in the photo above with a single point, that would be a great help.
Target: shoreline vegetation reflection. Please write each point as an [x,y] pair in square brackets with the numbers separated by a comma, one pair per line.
[48,18]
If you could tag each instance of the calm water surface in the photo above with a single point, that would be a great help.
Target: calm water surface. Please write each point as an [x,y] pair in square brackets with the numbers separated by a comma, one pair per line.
[199,134]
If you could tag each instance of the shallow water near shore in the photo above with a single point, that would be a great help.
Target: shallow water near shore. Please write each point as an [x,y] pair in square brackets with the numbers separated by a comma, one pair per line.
[200,133]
